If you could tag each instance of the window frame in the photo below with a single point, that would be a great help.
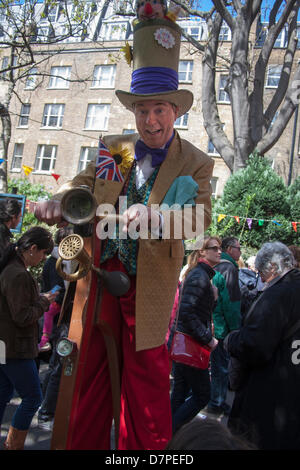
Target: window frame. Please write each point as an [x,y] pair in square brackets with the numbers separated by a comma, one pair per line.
[182,122]
[84,157]
[24,115]
[56,81]
[274,76]
[48,115]
[221,90]
[40,157]
[92,117]
[98,72]
[188,72]
[17,156]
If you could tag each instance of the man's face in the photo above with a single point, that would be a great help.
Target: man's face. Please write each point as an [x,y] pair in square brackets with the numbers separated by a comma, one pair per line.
[234,250]
[155,121]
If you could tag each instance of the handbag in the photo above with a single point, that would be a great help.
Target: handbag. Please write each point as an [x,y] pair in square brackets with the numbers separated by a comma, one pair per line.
[186,350]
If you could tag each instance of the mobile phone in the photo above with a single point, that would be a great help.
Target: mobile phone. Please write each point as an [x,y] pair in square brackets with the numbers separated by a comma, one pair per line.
[55,288]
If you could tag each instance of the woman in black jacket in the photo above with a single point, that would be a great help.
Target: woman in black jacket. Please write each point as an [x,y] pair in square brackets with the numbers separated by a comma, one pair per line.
[191,391]
[21,305]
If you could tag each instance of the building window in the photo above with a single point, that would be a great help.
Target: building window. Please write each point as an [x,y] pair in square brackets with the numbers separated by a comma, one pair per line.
[211,149]
[53,13]
[128,131]
[195,31]
[59,77]
[4,66]
[223,95]
[24,115]
[273,77]
[225,33]
[113,31]
[87,155]
[16,163]
[214,186]
[185,71]
[53,115]
[31,79]
[45,158]
[282,38]
[97,117]
[104,76]
[182,121]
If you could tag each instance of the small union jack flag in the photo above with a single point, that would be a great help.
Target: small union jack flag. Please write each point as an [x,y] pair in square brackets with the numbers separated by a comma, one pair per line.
[106,167]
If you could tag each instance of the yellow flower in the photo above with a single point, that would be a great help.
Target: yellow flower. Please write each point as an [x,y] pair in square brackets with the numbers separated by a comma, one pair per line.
[122,157]
[128,53]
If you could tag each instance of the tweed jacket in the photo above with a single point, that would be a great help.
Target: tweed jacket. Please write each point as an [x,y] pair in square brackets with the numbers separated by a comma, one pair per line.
[20,308]
[159,260]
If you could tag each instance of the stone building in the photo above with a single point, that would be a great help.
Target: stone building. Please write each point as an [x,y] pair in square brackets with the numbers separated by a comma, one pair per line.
[57,124]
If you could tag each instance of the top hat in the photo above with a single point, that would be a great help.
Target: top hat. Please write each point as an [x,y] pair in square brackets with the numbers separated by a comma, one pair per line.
[156,48]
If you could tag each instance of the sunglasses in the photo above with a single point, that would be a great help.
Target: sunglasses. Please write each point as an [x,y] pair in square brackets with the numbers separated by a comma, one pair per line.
[214,248]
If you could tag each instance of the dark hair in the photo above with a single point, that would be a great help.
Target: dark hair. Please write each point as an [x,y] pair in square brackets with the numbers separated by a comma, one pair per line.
[206,434]
[38,236]
[227,242]
[8,208]
[62,233]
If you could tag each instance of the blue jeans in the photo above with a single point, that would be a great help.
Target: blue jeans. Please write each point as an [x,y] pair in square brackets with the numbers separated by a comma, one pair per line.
[219,359]
[191,393]
[21,375]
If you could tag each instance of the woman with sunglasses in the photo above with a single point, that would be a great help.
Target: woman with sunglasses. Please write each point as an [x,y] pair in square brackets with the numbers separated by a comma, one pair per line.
[191,391]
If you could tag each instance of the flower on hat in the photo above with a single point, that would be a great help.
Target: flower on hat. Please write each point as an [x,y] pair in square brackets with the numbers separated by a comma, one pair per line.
[164,37]
[128,53]
[122,157]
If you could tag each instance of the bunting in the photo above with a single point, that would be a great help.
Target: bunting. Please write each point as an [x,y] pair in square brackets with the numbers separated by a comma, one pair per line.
[27,169]
[55,176]
[261,222]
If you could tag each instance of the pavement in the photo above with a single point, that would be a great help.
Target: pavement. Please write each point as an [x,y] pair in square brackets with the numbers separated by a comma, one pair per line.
[39,438]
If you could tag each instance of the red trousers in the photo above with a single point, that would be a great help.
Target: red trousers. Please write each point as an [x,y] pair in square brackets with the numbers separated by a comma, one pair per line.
[145,418]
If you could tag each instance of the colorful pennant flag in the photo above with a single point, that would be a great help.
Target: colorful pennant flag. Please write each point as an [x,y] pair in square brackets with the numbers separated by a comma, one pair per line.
[27,169]
[55,176]
[260,221]
[106,167]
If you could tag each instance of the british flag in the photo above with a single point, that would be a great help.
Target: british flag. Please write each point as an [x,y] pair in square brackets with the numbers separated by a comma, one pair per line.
[106,167]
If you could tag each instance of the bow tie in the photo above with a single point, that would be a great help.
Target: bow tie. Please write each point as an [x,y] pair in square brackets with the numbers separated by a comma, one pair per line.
[158,155]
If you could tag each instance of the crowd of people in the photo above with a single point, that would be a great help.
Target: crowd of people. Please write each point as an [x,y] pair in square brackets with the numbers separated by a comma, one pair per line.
[246,323]
[246,316]
[255,320]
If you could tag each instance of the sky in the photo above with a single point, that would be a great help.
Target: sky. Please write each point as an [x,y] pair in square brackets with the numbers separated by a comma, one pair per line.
[206,5]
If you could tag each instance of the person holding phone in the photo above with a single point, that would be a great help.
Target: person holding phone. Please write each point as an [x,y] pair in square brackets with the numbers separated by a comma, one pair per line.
[21,305]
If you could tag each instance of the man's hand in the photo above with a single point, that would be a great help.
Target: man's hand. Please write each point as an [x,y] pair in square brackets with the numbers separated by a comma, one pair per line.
[142,219]
[50,213]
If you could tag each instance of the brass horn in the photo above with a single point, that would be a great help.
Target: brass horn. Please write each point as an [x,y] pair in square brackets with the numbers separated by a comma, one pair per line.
[79,205]
[71,248]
